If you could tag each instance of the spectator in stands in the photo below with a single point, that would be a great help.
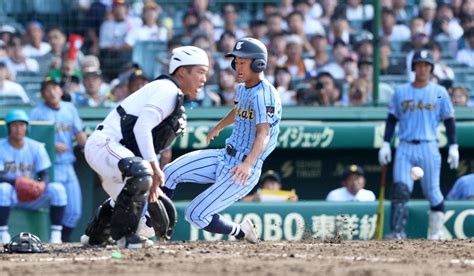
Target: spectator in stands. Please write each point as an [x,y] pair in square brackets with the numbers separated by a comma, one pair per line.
[359,93]
[269,8]
[9,88]
[201,8]
[190,22]
[321,92]
[286,8]
[201,40]
[445,26]
[258,30]
[295,21]
[459,96]
[463,188]
[467,8]
[353,183]
[17,58]
[206,28]
[136,81]
[225,45]
[230,15]
[6,59]
[277,48]
[340,30]
[54,58]
[270,189]
[466,55]
[390,29]
[227,83]
[92,20]
[351,71]
[456,5]
[400,10]
[311,24]
[68,75]
[467,22]
[284,87]
[274,24]
[355,10]
[113,50]
[339,52]
[36,46]
[90,63]
[428,12]
[92,96]
[329,8]
[363,45]
[366,72]
[118,92]
[6,32]
[441,70]
[389,66]
[296,64]
[319,42]
[150,30]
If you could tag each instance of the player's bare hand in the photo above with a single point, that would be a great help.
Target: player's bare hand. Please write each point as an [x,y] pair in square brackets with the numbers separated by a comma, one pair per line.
[213,133]
[155,193]
[60,148]
[241,172]
[158,181]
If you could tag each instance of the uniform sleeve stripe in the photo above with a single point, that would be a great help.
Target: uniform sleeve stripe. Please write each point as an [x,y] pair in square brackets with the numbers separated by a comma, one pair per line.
[155,108]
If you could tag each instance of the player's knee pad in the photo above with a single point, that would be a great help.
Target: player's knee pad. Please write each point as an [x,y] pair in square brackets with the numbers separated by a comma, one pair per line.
[98,228]
[400,193]
[5,190]
[131,200]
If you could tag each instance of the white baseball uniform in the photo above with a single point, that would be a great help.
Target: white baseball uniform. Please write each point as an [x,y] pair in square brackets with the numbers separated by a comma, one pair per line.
[103,150]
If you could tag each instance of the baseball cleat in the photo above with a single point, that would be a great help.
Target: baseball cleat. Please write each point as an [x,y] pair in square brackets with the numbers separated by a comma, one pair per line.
[249,230]
[395,236]
[134,241]
[145,230]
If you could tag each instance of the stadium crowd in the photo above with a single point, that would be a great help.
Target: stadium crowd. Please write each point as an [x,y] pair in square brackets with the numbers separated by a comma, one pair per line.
[320,51]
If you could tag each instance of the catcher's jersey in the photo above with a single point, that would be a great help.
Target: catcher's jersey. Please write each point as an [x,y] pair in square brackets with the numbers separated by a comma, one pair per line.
[420,110]
[68,124]
[255,105]
[27,161]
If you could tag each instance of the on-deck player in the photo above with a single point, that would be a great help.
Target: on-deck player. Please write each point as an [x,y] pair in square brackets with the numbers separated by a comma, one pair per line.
[22,156]
[234,170]
[68,125]
[123,148]
[418,107]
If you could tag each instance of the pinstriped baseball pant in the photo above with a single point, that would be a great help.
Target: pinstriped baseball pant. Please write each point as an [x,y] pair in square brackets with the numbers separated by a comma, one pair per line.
[204,167]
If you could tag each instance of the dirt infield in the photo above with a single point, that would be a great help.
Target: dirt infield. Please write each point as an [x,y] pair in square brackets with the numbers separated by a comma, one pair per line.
[415,257]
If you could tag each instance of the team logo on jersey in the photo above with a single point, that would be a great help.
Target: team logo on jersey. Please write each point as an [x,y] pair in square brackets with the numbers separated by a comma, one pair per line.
[270,111]
[11,167]
[238,46]
[410,105]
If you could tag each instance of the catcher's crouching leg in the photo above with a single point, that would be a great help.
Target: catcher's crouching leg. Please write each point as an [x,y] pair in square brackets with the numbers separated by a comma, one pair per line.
[98,229]
[163,217]
[131,201]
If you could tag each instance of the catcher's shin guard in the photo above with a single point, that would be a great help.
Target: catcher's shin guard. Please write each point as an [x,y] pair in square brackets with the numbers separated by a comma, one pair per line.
[98,229]
[399,209]
[131,200]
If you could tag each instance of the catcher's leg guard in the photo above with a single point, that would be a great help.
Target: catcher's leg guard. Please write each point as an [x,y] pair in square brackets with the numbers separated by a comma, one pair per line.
[131,200]
[98,229]
[399,210]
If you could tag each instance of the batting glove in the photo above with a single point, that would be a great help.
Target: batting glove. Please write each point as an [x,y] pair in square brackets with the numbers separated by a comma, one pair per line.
[385,154]
[453,156]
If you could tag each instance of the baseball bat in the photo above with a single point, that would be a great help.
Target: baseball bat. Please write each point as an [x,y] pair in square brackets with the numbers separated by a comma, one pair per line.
[380,208]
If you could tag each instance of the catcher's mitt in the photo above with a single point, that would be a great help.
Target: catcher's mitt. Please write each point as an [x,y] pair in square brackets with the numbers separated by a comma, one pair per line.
[28,189]
[163,217]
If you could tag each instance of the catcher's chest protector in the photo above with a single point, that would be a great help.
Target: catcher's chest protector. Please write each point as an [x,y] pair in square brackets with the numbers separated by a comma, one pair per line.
[163,135]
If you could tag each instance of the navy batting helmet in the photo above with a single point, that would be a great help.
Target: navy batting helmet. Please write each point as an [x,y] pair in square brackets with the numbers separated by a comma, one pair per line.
[250,48]
[422,56]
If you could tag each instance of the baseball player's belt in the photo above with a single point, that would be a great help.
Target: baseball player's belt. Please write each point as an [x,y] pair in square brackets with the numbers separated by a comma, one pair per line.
[416,142]
[234,153]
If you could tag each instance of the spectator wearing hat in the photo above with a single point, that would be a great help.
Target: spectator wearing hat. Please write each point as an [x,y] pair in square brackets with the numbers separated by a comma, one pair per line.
[353,183]
[150,30]
[428,13]
[10,88]
[355,10]
[466,55]
[6,32]
[363,45]
[390,29]
[18,61]
[136,81]
[92,96]
[35,34]
[271,181]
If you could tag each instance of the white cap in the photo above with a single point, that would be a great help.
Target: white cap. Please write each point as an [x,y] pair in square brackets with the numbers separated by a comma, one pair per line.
[187,55]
